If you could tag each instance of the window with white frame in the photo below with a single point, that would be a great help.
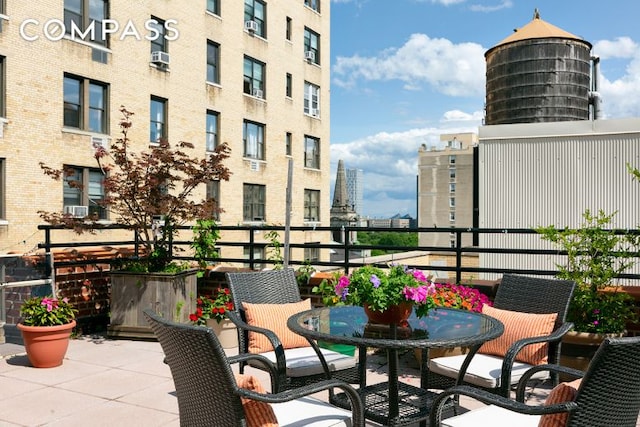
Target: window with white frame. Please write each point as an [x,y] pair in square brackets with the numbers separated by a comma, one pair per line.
[313,4]
[288,29]
[254,77]
[288,140]
[157,119]
[213,6]
[212,130]
[213,62]
[3,81]
[254,202]
[311,205]
[253,137]
[256,11]
[288,86]
[452,174]
[452,159]
[85,104]
[85,17]
[311,152]
[84,187]
[311,99]
[452,202]
[452,187]
[213,194]
[452,216]
[159,43]
[311,46]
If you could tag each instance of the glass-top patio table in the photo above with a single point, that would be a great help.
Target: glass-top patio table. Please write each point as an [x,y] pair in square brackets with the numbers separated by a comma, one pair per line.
[394,402]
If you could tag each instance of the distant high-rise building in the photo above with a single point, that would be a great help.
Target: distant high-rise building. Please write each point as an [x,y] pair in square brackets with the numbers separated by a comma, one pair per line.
[354,189]
[342,212]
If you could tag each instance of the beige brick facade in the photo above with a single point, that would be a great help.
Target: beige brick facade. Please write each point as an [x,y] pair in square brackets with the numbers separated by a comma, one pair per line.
[33,129]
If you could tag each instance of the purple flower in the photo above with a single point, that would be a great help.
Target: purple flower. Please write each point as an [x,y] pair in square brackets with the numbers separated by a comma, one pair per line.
[375,280]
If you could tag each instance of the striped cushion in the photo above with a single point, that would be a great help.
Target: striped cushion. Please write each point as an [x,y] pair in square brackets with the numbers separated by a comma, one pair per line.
[274,317]
[257,414]
[519,325]
[563,392]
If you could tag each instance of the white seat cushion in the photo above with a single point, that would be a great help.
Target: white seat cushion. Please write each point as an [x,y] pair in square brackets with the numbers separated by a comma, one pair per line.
[484,370]
[493,416]
[310,412]
[303,361]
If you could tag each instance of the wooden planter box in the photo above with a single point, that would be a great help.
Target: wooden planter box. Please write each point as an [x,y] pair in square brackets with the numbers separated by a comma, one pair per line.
[170,295]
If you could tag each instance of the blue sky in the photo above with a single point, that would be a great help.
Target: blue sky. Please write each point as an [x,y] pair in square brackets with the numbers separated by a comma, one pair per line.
[406,71]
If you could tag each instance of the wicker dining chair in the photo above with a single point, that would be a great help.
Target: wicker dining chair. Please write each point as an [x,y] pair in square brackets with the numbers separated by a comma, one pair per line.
[498,374]
[208,394]
[608,395]
[295,367]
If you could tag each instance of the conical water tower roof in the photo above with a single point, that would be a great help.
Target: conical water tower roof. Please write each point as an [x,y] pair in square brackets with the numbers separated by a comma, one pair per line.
[537,29]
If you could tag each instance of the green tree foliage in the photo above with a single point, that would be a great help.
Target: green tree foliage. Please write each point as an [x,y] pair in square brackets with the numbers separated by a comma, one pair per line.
[387,238]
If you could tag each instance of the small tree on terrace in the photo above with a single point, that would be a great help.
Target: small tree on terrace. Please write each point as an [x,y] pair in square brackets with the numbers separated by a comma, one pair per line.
[141,186]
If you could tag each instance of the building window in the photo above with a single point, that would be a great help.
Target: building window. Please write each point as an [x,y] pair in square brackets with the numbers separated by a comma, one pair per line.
[288,29]
[313,4]
[213,194]
[85,17]
[312,44]
[159,43]
[311,152]
[212,130]
[288,140]
[253,137]
[452,202]
[452,243]
[312,254]
[84,187]
[452,174]
[311,99]
[213,6]
[254,201]
[85,104]
[213,62]
[2,189]
[312,205]
[254,77]
[452,160]
[452,187]
[158,119]
[3,94]
[452,216]
[256,11]
[258,253]
[289,84]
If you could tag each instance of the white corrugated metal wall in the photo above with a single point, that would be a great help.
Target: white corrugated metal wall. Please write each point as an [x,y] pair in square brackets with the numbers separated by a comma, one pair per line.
[536,175]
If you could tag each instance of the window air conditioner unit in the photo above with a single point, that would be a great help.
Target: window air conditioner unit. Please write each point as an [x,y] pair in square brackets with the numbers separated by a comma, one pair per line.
[257,93]
[251,26]
[254,166]
[315,112]
[77,211]
[160,57]
[99,141]
[310,55]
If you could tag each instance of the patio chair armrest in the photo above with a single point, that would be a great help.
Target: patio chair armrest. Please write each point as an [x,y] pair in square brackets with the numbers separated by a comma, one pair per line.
[276,381]
[522,383]
[489,398]
[357,407]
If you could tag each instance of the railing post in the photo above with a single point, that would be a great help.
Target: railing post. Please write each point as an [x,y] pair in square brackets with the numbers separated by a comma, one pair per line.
[251,246]
[458,256]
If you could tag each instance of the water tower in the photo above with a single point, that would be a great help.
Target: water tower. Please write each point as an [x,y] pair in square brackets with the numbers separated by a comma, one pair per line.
[539,73]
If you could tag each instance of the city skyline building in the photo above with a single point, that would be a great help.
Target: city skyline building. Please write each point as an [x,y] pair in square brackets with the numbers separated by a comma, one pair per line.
[355,188]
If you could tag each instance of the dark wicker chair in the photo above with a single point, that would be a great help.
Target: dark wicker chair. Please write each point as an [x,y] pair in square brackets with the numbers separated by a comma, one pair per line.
[281,287]
[609,394]
[209,396]
[515,293]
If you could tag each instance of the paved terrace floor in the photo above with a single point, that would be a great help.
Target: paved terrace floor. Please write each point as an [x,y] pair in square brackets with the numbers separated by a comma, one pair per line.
[117,382]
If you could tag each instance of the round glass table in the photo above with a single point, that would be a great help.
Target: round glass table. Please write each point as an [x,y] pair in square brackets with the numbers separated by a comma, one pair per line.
[395,402]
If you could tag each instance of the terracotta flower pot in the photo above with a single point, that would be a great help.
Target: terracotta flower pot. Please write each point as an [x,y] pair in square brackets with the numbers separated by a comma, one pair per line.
[46,346]
[393,315]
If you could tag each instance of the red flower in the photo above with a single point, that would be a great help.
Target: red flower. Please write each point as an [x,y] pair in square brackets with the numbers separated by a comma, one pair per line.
[193,317]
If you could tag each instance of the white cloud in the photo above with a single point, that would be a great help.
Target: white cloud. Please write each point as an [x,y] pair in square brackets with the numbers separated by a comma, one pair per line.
[622,47]
[461,116]
[504,4]
[452,69]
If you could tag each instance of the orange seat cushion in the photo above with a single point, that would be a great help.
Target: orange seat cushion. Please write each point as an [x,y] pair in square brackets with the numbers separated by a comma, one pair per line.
[257,414]
[274,317]
[519,325]
[563,392]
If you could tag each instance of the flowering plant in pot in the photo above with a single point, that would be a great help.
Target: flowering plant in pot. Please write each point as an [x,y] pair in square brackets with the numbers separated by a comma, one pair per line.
[46,326]
[212,307]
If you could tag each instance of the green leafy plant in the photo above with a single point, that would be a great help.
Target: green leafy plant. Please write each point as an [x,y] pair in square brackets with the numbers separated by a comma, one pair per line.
[205,236]
[213,306]
[304,273]
[46,311]
[275,251]
[381,289]
[150,191]
[596,255]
